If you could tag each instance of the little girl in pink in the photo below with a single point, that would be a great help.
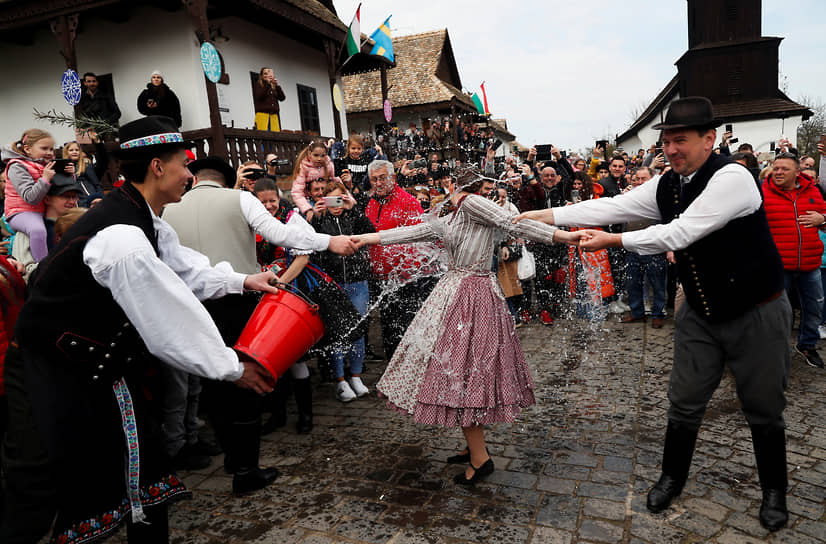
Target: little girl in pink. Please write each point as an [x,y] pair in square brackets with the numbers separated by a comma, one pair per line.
[29,172]
[312,163]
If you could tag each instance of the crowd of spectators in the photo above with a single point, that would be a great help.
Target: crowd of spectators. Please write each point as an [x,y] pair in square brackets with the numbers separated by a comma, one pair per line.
[350,187]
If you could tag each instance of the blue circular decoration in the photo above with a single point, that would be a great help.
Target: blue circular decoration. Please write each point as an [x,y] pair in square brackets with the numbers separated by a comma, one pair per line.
[70,87]
[211,61]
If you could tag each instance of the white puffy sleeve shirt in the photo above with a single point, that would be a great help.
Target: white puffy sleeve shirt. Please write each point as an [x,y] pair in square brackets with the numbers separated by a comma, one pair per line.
[731,193]
[160,295]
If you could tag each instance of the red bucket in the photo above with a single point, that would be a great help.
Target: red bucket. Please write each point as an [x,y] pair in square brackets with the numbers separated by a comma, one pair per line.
[282,328]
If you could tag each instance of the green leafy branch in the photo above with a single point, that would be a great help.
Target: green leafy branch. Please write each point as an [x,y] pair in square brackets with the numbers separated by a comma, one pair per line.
[81,123]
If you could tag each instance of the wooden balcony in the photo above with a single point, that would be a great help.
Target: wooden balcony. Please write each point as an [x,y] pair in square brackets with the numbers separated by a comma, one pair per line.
[252,145]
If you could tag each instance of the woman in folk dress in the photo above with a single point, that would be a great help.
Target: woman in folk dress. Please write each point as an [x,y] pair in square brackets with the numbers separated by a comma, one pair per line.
[473,372]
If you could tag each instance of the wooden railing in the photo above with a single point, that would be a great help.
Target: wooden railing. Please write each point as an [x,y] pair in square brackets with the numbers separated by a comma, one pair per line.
[244,145]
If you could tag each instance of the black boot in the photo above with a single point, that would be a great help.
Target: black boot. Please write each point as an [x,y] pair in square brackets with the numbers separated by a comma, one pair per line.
[770,452]
[277,403]
[677,453]
[248,475]
[303,392]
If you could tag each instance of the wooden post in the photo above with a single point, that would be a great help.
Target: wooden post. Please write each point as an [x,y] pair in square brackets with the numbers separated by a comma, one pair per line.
[64,27]
[197,10]
[384,88]
[332,70]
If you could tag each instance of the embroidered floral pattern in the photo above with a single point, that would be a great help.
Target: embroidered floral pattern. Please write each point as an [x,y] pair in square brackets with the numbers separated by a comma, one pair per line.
[99,526]
[155,139]
[130,431]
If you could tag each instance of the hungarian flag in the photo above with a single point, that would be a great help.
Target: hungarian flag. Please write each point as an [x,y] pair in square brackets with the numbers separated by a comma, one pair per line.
[478,103]
[485,97]
[353,39]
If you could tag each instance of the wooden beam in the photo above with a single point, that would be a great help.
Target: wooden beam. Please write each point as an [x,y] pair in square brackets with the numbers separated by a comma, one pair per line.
[64,28]
[197,10]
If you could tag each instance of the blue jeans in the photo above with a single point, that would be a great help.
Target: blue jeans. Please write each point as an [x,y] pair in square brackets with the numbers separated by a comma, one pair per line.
[823,283]
[637,267]
[359,295]
[810,295]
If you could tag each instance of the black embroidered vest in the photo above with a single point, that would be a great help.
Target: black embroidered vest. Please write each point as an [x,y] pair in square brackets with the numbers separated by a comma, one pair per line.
[67,311]
[732,269]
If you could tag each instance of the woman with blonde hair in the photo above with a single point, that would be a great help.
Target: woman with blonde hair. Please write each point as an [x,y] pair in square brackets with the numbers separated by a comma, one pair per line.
[88,174]
[266,96]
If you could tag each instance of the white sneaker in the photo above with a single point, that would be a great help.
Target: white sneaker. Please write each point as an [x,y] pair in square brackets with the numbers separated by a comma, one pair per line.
[344,393]
[822,330]
[358,386]
[615,308]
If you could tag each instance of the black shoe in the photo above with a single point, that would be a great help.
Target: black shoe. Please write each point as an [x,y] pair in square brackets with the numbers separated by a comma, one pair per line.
[461,458]
[773,512]
[663,492]
[304,425]
[811,356]
[187,459]
[478,473]
[253,480]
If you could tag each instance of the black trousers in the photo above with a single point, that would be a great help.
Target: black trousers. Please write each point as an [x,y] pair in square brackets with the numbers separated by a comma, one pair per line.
[226,404]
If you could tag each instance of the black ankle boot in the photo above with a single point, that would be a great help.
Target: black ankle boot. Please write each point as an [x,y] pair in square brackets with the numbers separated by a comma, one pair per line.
[302,389]
[245,449]
[253,480]
[770,453]
[677,453]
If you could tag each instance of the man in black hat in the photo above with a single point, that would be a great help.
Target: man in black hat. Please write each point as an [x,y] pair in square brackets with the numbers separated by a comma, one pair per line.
[222,223]
[116,297]
[736,312]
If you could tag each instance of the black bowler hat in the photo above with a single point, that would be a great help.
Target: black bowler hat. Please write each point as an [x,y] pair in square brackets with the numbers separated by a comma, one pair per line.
[689,112]
[63,183]
[214,163]
[149,136]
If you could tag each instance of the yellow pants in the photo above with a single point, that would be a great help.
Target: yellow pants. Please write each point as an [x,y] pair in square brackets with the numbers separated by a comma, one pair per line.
[267,121]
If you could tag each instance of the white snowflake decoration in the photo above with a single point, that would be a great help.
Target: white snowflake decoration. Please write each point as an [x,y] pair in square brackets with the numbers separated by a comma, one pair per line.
[70,87]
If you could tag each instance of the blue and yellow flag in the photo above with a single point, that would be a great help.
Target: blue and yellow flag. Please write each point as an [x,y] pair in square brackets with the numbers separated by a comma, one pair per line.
[384,44]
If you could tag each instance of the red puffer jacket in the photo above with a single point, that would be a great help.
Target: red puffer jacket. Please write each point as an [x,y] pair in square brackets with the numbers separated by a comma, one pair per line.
[398,209]
[800,247]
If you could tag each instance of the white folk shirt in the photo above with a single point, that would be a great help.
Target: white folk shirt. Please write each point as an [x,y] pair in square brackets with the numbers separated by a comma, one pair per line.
[160,295]
[731,193]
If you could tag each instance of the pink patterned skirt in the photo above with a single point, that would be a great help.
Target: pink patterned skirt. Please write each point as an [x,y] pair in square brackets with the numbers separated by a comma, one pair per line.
[460,363]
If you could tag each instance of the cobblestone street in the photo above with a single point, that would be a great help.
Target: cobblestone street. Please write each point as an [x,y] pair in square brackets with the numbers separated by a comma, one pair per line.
[574,468]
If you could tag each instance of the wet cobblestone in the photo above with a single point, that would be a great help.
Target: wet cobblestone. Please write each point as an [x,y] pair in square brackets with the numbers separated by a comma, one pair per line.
[573,468]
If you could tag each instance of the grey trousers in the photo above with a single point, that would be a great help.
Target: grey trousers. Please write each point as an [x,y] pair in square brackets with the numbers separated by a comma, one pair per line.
[180,408]
[755,347]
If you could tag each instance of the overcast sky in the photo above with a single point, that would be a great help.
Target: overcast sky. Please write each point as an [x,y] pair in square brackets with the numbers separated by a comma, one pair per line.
[568,72]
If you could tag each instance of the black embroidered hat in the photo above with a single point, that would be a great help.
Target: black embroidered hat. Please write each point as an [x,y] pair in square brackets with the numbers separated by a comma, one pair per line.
[149,136]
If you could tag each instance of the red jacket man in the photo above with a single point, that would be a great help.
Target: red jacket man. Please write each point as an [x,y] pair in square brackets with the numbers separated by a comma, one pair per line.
[392,207]
[389,208]
[794,206]
[795,210]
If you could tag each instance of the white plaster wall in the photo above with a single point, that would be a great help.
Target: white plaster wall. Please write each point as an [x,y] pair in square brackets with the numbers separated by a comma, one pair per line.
[152,39]
[156,39]
[130,62]
[33,75]
[249,48]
